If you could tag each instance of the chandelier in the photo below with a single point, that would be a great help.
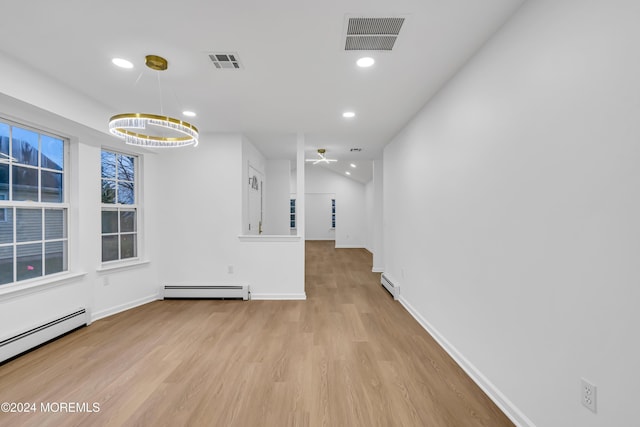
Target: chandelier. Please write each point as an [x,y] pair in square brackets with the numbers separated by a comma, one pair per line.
[151,130]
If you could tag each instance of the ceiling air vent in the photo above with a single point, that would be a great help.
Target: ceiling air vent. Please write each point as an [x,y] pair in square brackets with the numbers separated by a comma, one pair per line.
[372,33]
[226,60]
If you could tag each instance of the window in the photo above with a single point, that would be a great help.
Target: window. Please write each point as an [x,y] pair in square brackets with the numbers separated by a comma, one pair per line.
[333,213]
[33,210]
[119,206]
[292,214]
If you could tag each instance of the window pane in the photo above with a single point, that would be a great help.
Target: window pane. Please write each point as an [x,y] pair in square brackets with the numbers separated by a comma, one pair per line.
[109,222]
[55,224]
[125,193]
[125,168]
[127,221]
[6,225]
[28,225]
[25,146]
[109,248]
[6,264]
[25,184]
[108,191]
[52,153]
[128,246]
[4,140]
[55,257]
[4,181]
[51,186]
[29,259]
[108,161]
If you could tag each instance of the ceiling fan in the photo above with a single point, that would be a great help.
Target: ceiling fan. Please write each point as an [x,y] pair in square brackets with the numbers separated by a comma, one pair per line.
[322,158]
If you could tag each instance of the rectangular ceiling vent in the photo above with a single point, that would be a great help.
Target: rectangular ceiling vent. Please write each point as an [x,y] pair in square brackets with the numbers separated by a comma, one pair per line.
[372,33]
[225,60]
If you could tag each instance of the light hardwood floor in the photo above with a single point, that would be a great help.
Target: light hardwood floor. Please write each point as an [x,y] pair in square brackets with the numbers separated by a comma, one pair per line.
[348,356]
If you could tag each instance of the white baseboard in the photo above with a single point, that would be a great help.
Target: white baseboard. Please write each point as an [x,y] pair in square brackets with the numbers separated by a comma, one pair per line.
[275,297]
[510,410]
[123,307]
[377,269]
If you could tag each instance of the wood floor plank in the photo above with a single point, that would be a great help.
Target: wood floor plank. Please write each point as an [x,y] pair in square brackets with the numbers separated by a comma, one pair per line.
[347,356]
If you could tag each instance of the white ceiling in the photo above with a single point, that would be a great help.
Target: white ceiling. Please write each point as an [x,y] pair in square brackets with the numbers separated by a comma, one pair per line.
[296,75]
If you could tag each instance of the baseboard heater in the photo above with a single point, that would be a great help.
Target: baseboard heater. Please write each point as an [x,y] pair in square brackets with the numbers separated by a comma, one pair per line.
[207,292]
[41,334]
[393,288]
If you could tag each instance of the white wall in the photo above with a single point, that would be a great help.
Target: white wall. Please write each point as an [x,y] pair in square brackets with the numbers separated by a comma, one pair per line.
[376,217]
[23,83]
[202,224]
[373,216]
[277,193]
[511,213]
[368,215]
[350,204]
[318,217]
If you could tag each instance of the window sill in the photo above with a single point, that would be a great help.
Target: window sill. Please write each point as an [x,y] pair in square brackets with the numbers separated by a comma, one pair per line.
[105,268]
[36,285]
[267,238]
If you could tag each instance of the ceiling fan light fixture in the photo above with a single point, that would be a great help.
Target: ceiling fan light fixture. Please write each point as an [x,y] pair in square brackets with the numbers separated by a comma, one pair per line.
[321,158]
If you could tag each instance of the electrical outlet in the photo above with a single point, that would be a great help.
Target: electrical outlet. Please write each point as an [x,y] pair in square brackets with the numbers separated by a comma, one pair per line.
[588,394]
[230,269]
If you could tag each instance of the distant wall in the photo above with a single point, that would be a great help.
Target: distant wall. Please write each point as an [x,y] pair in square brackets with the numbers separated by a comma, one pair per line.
[350,204]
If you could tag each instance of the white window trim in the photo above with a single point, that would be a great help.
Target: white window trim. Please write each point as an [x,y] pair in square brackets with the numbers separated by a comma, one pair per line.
[37,284]
[122,264]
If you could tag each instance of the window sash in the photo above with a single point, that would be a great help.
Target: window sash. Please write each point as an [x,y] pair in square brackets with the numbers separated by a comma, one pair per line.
[45,252]
[112,250]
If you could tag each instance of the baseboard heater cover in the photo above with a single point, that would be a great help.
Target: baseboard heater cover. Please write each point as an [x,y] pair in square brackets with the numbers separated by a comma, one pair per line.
[38,335]
[207,291]
[393,288]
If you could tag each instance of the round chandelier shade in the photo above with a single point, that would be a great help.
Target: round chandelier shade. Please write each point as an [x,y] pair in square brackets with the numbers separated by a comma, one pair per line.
[151,130]
[133,129]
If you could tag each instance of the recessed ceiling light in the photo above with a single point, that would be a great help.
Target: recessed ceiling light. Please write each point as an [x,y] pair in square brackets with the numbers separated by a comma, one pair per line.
[365,62]
[348,114]
[189,113]
[348,173]
[352,165]
[122,63]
